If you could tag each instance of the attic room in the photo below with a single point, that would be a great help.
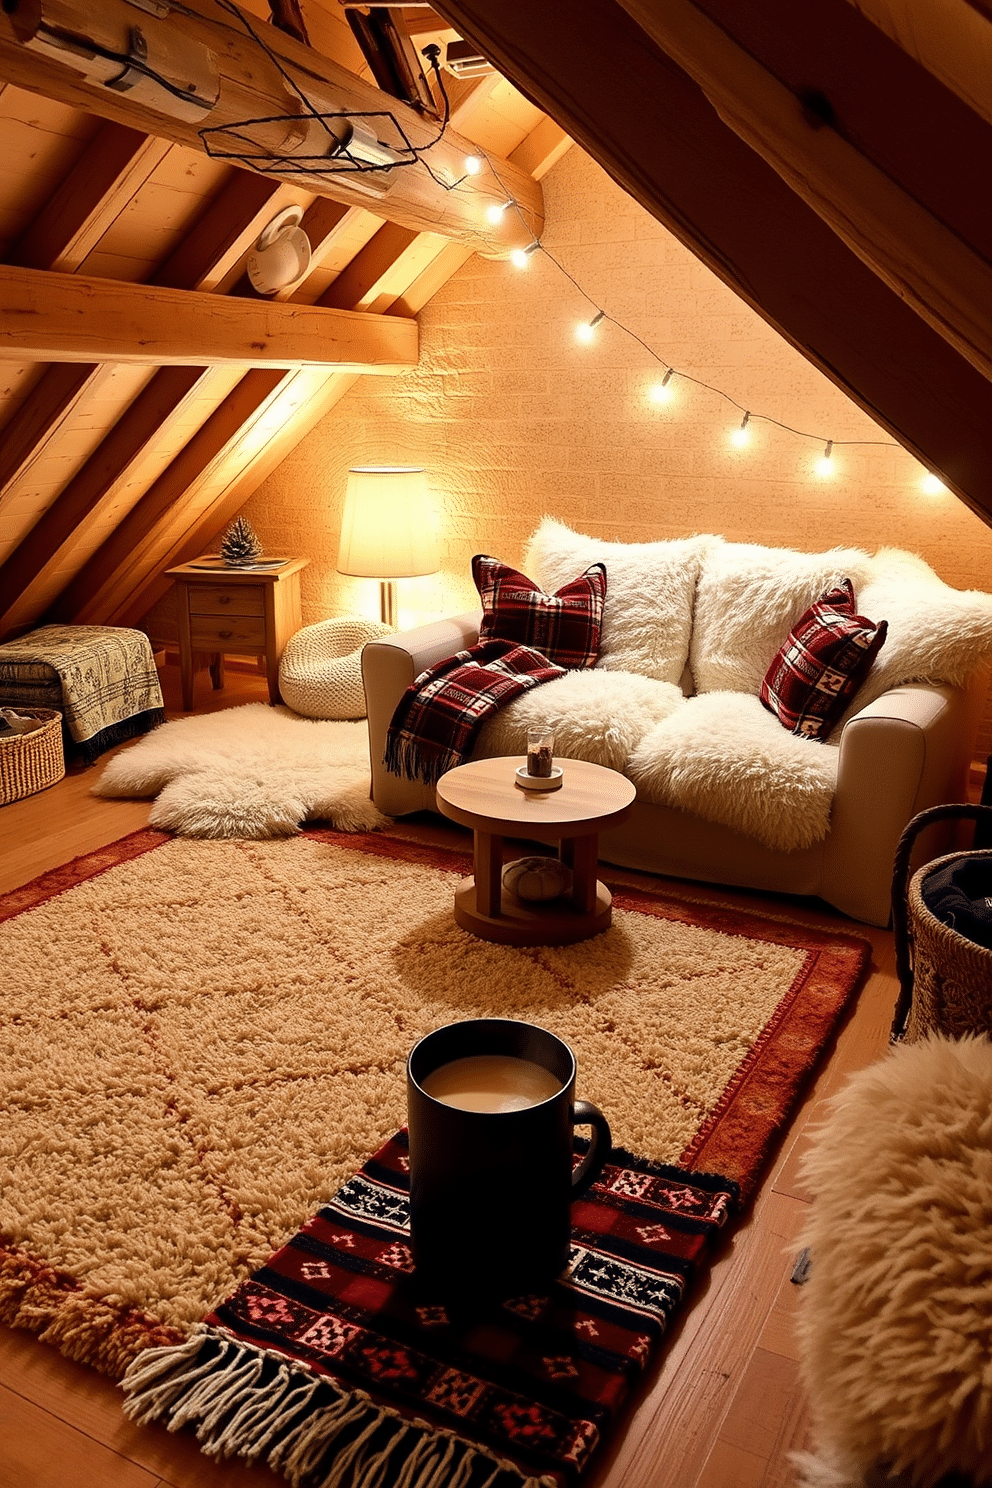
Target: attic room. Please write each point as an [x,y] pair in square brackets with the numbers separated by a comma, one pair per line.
[653,333]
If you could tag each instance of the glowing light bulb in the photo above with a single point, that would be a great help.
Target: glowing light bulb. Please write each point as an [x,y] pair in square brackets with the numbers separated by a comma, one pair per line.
[494,212]
[661,392]
[742,436]
[932,484]
[585,331]
[519,256]
[473,165]
[825,464]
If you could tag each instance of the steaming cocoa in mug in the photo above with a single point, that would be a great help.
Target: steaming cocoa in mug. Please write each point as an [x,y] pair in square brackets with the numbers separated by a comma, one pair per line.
[491,1082]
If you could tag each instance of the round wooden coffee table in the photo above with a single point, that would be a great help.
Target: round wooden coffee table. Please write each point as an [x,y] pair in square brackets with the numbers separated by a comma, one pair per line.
[482,795]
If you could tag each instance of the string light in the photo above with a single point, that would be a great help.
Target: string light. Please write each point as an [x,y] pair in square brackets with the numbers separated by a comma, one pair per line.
[932,484]
[494,212]
[585,331]
[520,256]
[472,165]
[663,392]
[742,436]
[825,464]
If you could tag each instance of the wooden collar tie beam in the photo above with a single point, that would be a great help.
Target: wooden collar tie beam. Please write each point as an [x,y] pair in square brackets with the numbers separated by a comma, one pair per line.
[219,80]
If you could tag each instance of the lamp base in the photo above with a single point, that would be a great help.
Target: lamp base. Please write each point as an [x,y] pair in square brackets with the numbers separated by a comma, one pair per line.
[387,602]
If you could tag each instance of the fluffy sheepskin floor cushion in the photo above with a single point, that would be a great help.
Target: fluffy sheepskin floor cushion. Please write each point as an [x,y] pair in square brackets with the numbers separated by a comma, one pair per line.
[598,716]
[895,1322]
[727,759]
[253,771]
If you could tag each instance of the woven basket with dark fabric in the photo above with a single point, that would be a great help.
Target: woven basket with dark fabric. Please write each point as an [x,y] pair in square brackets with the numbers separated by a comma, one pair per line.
[31,762]
[945,978]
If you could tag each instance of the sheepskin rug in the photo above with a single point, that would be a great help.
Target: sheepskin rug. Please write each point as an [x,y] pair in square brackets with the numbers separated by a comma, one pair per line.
[724,757]
[895,1323]
[248,772]
[647,618]
[596,715]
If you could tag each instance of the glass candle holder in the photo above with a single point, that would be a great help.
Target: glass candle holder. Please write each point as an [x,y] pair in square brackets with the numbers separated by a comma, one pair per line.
[540,752]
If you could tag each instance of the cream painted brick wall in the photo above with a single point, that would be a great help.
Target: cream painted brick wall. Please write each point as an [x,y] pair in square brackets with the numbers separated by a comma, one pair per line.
[513,419]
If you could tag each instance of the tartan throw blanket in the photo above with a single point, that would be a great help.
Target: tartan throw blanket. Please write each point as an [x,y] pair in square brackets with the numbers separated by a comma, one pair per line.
[438,718]
[109,684]
[333,1367]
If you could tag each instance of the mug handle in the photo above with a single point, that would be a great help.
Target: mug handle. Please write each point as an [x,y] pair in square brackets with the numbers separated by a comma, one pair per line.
[584,1113]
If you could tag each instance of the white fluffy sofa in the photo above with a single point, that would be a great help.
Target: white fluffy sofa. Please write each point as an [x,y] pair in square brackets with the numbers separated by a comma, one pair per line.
[725,794]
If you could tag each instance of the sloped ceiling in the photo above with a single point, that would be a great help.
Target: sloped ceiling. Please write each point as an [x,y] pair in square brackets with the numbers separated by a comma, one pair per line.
[145,388]
[827,160]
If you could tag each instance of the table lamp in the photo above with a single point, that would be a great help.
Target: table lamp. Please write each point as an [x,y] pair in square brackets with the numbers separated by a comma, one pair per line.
[387,531]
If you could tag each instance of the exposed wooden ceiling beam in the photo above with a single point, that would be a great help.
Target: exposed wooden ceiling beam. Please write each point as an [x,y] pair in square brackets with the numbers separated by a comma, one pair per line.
[91,198]
[945,280]
[73,318]
[953,41]
[122,563]
[250,86]
[652,128]
[145,422]
[217,242]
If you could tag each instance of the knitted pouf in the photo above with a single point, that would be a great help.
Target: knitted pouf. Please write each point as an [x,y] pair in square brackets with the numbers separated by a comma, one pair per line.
[320,674]
[895,1322]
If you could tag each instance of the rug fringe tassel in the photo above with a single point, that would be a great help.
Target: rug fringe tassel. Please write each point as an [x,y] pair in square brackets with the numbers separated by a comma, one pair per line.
[245,1401]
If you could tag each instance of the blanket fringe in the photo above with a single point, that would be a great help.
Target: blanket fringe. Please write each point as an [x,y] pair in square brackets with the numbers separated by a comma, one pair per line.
[411,759]
[249,1402]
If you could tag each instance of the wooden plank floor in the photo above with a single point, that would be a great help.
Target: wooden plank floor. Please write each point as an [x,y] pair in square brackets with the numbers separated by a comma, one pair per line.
[724,1409]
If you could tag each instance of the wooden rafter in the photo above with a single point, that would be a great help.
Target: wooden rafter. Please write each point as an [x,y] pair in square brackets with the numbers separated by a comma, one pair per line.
[91,198]
[250,86]
[171,523]
[73,318]
[145,422]
[653,129]
[946,280]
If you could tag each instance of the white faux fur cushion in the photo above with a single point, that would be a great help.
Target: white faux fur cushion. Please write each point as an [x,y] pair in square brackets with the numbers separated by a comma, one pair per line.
[895,1322]
[727,759]
[647,619]
[748,598]
[596,715]
[252,771]
[936,633]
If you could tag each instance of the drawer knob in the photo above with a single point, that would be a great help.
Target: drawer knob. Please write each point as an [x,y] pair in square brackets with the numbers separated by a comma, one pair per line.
[223,599]
[225,635]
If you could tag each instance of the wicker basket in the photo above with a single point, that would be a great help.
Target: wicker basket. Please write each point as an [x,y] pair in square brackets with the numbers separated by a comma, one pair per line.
[30,762]
[945,979]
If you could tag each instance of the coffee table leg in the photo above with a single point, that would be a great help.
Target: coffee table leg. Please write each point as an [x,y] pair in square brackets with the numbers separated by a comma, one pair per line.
[488,873]
[582,856]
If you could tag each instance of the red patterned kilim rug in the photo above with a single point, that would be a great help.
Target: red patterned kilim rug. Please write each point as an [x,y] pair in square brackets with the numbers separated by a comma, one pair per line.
[326,1361]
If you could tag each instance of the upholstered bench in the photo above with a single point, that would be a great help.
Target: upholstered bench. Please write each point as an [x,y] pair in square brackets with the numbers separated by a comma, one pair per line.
[101,678]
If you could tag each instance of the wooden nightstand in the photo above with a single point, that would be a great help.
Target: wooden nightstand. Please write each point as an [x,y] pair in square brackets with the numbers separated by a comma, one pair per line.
[244,612]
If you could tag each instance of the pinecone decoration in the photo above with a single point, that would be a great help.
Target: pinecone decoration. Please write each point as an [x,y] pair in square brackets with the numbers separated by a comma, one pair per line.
[240,545]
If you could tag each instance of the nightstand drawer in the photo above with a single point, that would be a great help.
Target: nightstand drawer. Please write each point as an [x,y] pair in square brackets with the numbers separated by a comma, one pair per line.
[227,599]
[226,633]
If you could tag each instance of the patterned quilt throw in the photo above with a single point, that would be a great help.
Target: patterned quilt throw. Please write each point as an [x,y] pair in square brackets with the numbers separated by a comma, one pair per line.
[438,718]
[101,678]
[331,1365]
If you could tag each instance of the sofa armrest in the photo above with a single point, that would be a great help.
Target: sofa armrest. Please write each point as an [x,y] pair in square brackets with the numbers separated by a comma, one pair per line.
[907,750]
[388,668]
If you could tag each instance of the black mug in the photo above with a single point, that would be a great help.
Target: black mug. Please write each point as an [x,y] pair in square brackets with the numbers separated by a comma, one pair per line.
[491,1191]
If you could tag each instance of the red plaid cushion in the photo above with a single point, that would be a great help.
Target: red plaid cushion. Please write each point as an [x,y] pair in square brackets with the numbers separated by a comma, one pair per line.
[822,664]
[565,625]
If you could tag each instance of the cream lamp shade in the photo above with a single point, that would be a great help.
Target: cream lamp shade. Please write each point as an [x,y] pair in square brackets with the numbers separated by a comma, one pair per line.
[387,531]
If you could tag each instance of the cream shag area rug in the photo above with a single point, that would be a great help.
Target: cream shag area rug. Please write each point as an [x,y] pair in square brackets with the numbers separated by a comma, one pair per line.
[200,1041]
[249,772]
